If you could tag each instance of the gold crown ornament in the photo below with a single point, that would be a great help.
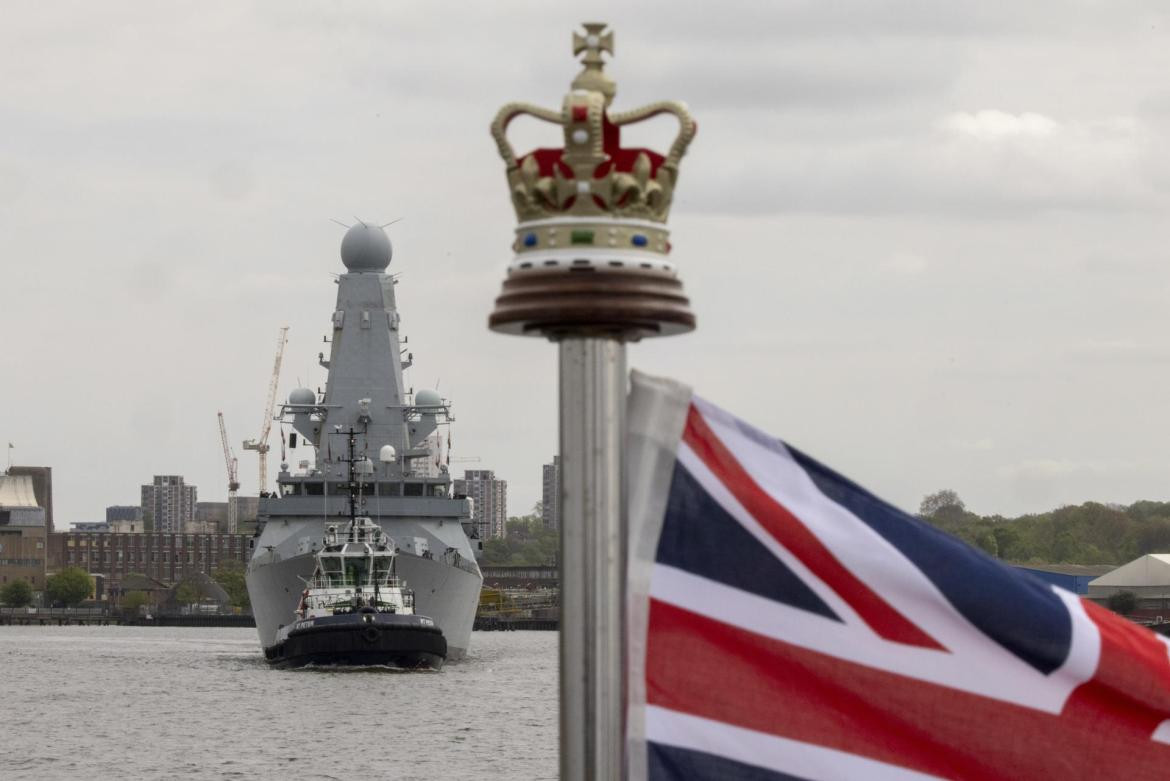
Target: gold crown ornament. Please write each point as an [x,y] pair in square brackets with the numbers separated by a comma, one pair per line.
[592,248]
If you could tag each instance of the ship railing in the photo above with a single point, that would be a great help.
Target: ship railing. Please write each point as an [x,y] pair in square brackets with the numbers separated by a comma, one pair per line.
[344,581]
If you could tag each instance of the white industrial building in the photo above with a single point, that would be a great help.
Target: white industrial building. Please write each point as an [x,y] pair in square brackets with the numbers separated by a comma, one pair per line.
[1148,577]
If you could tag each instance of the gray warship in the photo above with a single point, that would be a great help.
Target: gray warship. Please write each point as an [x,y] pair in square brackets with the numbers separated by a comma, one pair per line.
[406,489]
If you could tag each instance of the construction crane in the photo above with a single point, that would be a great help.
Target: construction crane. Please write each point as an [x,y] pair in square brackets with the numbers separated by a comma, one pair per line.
[260,444]
[232,464]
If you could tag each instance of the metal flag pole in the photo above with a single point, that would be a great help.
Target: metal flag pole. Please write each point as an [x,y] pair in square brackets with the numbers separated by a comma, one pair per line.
[593,564]
[592,272]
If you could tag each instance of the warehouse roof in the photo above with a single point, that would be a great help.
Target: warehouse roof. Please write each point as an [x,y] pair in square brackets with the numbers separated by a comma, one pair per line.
[1153,569]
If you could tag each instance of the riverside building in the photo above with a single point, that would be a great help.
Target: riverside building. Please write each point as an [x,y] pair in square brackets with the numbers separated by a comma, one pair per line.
[162,556]
[490,498]
[550,496]
[168,504]
[22,529]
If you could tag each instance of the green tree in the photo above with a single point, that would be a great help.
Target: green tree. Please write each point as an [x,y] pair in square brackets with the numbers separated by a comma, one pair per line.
[134,600]
[70,585]
[230,576]
[1122,602]
[18,593]
[941,503]
[187,593]
[528,543]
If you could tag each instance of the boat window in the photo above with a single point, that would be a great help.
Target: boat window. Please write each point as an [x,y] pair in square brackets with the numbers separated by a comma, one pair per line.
[315,489]
[356,571]
[381,569]
[413,489]
[389,489]
[438,490]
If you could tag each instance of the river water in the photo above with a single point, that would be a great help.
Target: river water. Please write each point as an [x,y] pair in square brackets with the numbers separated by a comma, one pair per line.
[99,703]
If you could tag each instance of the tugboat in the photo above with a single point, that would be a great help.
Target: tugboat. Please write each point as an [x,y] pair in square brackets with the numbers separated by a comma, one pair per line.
[355,611]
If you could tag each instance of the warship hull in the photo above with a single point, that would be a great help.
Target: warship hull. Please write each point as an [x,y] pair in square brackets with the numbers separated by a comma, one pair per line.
[446,587]
[406,642]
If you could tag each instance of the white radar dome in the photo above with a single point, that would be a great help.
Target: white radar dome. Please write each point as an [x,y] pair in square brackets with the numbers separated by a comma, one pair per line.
[387,454]
[428,398]
[366,248]
[302,396]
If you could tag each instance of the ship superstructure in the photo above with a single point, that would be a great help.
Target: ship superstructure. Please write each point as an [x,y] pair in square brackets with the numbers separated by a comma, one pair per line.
[407,492]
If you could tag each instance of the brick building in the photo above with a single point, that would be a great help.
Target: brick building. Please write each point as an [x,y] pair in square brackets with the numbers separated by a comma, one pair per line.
[165,557]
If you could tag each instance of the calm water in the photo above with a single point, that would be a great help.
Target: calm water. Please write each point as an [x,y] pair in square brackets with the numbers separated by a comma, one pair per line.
[145,703]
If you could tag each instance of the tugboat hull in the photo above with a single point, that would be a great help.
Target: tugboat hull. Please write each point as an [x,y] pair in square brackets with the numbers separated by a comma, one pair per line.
[361,639]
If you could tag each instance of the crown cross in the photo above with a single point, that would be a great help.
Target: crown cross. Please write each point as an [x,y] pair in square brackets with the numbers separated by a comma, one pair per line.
[593,43]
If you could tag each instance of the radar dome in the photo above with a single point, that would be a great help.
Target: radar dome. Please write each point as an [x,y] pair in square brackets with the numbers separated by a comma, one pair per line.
[302,396]
[366,248]
[428,398]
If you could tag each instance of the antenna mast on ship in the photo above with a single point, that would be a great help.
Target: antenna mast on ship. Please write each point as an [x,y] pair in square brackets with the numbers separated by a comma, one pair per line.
[353,486]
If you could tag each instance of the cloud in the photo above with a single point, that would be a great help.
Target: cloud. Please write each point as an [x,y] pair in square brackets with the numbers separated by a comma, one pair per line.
[994,125]
[167,174]
[1117,352]
[974,445]
[1050,468]
[906,263]
[988,163]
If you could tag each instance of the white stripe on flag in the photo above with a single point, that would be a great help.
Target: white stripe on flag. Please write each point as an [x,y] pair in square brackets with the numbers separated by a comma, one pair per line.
[806,760]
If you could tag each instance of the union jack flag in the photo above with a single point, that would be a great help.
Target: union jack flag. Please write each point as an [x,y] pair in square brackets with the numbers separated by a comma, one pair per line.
[785,623]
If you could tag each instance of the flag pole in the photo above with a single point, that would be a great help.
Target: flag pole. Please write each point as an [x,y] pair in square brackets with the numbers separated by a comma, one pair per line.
[593,556]
[591,273]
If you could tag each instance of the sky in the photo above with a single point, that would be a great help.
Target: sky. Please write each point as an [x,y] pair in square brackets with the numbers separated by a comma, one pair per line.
[926,242]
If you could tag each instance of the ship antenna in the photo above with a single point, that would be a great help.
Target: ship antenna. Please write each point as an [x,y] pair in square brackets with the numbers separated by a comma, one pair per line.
[352,482]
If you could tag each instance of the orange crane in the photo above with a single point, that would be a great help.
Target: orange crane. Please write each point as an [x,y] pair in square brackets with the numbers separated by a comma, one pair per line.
[260,444]
[229,460]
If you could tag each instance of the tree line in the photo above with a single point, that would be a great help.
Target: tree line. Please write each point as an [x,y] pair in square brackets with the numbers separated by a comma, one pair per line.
[73,585]
[528,543]
[1089,533]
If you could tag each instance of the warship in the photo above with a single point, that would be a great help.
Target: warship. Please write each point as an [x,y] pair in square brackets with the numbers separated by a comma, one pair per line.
[408,491]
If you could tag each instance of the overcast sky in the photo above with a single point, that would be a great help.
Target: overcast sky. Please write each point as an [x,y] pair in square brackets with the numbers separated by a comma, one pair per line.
[926,242]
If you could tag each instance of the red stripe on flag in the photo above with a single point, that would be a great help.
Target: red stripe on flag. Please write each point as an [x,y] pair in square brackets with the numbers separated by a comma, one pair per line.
[1132,680]
[790,532]
[702,667]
